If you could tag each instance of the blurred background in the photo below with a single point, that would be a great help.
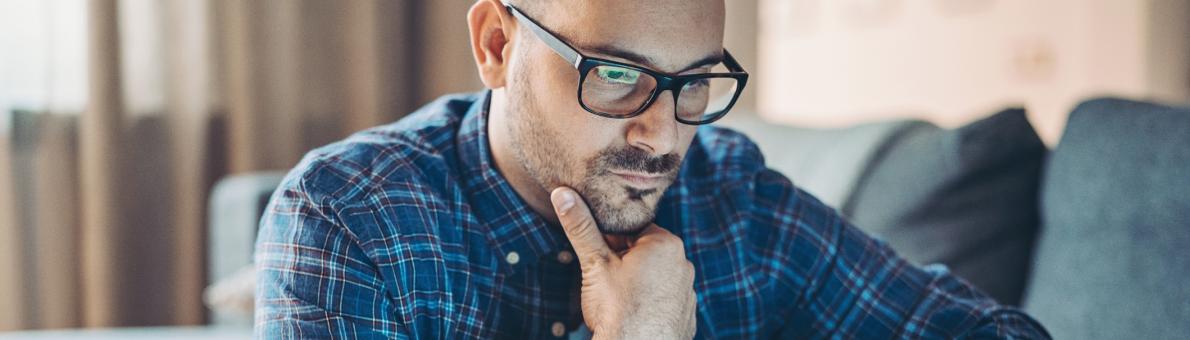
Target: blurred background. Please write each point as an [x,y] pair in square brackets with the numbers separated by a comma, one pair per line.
[121,121]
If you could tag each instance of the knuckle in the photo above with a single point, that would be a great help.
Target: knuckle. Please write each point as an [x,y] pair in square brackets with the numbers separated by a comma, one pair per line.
[601,255]
[584,229]
[671,238]
[580,227]
[594,261]
[585,226]
[672,245]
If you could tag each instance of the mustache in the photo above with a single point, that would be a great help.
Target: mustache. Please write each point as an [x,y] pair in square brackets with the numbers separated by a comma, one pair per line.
[633,159]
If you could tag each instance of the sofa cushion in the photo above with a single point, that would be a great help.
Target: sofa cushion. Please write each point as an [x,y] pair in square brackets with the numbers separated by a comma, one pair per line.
[827,163]
[1112,258]
[966,198]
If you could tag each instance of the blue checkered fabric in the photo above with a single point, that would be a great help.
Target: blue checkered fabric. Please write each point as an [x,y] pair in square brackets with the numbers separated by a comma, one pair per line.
[409,231]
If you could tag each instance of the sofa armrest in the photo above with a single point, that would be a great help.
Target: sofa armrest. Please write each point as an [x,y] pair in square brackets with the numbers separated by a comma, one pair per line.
[237,203]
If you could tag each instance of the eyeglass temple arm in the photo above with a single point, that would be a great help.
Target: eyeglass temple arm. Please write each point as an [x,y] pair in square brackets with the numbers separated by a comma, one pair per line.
[731,63]
[561,47]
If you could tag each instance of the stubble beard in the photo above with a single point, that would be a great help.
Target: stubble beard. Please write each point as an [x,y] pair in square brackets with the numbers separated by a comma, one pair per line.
[617,209]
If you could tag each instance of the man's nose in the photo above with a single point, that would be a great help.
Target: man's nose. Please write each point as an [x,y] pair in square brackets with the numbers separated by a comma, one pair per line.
[655,131]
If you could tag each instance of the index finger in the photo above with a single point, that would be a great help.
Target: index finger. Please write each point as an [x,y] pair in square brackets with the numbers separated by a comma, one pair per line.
[580,227]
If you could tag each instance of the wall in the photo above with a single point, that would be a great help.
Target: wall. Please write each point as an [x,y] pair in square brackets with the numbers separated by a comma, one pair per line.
[839,62]
[740,38]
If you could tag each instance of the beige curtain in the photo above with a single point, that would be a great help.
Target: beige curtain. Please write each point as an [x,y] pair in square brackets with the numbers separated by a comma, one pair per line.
[102,214]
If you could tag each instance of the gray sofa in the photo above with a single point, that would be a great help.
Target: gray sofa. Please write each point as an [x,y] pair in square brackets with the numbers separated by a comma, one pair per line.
[1091,237]
[1112,259]
[1087,237]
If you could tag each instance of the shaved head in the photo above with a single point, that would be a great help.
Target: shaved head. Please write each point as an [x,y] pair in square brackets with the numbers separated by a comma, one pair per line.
[541,136]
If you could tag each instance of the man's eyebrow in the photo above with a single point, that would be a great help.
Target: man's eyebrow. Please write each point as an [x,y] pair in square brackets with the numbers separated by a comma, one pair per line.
[649,62]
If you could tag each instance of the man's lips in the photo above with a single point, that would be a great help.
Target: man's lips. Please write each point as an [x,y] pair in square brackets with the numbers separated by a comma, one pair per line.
[639,179]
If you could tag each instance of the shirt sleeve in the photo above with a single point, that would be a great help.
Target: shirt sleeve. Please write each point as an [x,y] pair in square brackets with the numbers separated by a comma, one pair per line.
[850,285]
[313,278]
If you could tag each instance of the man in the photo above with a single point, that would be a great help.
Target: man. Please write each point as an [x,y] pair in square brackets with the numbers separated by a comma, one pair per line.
[584,189]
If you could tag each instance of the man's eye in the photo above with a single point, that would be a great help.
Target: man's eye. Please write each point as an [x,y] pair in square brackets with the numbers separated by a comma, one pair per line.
[617,75]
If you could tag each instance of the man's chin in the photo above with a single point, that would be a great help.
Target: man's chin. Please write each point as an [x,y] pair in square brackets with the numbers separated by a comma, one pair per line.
[621,209]
[623,216]
[624,232]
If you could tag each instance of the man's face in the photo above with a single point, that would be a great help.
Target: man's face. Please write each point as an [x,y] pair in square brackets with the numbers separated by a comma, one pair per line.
[621,167]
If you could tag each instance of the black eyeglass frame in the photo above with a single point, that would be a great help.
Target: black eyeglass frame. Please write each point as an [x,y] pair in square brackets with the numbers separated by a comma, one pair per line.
[673,83]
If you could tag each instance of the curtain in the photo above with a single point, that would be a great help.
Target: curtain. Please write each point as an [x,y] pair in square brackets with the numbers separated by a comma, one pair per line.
[102,213]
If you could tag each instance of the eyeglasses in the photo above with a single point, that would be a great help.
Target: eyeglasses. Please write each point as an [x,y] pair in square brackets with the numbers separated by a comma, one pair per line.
[618,90]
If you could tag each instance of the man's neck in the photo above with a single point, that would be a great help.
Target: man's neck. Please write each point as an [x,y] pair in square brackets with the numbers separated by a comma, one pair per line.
[500,142]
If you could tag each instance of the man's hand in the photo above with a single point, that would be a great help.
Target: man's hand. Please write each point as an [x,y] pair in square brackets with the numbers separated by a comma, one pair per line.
[645,291]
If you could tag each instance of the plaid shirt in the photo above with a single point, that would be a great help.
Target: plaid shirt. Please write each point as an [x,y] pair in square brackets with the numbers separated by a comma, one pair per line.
[408,231]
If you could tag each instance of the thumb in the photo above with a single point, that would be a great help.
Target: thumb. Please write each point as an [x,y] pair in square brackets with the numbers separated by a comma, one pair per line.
[580,227]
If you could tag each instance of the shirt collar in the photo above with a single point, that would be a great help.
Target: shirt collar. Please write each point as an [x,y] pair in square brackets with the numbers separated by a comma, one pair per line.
[512,225]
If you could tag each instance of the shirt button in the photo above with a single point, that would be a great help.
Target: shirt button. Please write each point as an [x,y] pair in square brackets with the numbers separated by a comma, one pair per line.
[512,257]
[558,329]
[565,257]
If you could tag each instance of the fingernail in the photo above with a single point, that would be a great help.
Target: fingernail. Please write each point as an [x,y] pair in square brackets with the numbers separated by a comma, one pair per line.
[567,201]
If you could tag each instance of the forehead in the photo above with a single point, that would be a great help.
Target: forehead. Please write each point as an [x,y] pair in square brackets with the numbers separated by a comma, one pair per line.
[670,33]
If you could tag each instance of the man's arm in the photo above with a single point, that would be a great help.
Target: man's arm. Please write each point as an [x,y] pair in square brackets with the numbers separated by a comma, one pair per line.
[856,286]
[314,281]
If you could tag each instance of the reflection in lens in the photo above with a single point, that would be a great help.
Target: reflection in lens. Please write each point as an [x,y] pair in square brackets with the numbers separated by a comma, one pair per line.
[616,90]
[704,98]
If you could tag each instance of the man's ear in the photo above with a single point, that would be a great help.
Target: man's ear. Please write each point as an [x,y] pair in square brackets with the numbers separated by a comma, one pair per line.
[491,30]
